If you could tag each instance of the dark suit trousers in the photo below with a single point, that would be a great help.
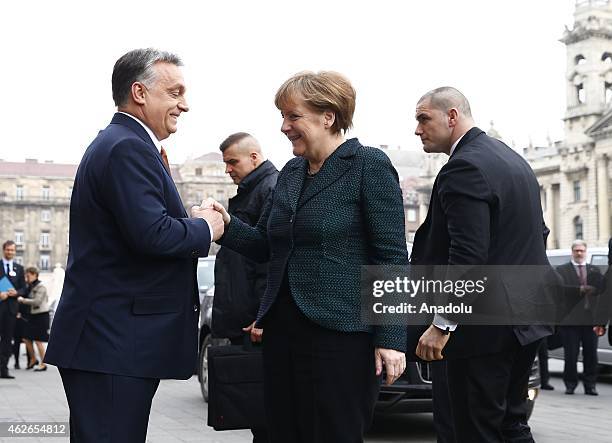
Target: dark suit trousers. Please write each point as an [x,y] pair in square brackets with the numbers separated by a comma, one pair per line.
[7,328]
[108,408]
[442,411]
[573,336]
[320,384]
[488,395]
[543,362]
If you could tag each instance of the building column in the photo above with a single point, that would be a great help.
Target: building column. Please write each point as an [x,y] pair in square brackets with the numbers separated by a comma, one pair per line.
[603,201]
[551,219]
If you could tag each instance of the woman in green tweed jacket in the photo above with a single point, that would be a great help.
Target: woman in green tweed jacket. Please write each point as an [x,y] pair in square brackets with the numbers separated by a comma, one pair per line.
[336,206]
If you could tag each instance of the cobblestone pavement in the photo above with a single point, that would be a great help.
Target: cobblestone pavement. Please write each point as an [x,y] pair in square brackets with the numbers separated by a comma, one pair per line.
[178,413]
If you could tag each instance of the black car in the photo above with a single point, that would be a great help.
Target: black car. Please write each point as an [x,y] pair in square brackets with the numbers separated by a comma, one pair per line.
[412,393]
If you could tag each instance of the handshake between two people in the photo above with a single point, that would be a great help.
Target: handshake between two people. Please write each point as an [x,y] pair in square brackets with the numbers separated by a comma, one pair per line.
[214,213]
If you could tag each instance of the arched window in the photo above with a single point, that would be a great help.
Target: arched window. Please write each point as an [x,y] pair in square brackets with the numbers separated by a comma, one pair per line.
[606,57]
[578,228]
[580,60]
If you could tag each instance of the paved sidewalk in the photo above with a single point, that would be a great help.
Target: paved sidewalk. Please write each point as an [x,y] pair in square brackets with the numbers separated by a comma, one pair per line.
[178,413]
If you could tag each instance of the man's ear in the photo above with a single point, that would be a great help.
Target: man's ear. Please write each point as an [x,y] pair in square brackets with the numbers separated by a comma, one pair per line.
[254,157]
[138,93]
[452,117]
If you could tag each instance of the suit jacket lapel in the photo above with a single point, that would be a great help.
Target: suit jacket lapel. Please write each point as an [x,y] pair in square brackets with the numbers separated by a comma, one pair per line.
[333,168]
[295,181]
[573,275]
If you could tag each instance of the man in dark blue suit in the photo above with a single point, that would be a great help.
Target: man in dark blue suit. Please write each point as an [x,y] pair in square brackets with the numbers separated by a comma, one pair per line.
[128,313]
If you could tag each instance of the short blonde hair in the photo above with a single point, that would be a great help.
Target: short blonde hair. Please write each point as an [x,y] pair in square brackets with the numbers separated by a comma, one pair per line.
[322,91]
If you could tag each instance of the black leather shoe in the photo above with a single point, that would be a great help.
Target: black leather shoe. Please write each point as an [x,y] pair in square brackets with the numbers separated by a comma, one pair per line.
[547,387]
[6,376]
[40,368]
[17,366]
[591,391]
[569,391]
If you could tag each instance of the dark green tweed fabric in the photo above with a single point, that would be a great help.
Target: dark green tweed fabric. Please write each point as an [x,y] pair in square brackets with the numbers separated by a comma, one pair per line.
[350,215]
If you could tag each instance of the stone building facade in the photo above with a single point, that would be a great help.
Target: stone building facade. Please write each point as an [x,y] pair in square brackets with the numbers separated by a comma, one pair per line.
[34,208]
[35,202]
[574,174]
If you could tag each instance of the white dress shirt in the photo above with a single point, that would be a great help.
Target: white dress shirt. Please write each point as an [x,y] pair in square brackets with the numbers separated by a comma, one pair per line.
[158,145]
[576,267]
[9,262]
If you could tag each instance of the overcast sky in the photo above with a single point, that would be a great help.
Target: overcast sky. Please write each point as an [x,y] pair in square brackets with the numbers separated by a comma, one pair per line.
[58,57]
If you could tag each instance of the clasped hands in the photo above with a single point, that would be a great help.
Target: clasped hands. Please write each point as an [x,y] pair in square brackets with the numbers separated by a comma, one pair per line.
[10,293]
[214,213]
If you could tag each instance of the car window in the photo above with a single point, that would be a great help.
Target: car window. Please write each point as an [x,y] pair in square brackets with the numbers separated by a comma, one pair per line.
[559,260]
[599,260]
[206,274]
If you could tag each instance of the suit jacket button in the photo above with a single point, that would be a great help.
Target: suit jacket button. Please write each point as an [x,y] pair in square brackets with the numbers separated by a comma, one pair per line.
[195,308]
[195,254]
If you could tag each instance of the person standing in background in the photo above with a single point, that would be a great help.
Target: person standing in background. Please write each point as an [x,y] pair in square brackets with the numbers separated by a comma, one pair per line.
[8,304]
[37,326]
[240,283]
[582,283]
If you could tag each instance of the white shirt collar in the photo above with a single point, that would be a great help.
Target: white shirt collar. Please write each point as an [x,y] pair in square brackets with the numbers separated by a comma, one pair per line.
[5,261]
[156,142]
[577,264]
[455,144]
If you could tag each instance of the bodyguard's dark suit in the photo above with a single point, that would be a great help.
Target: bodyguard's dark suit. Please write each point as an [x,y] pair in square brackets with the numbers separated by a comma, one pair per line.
[239,282]
[318,354]
[485,210]
[577,328]
[8,313]
[129,306]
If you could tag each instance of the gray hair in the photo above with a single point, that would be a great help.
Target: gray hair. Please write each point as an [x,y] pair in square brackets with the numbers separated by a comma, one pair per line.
[447,97]
[137,66]
[578,242]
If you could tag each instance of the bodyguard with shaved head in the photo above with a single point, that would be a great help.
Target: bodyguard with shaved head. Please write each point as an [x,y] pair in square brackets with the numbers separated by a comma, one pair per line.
[484,210]
[240,283]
